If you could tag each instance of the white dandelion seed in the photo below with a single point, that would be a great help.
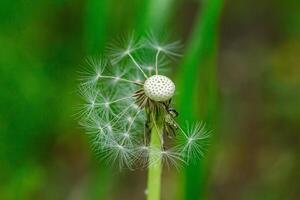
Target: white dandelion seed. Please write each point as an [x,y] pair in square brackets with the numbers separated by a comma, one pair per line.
[194,141]
[125,96]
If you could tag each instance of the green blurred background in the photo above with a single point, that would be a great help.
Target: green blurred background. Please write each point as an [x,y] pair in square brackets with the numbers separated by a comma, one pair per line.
[240,69]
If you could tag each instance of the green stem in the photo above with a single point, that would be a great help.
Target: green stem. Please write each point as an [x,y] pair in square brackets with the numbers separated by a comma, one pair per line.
[155,166]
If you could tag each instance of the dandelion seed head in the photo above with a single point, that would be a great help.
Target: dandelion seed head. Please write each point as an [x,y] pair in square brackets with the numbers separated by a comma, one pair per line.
[159,88]
[118,90]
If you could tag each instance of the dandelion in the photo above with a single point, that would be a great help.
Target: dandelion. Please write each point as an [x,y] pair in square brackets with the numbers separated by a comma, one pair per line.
[128,111]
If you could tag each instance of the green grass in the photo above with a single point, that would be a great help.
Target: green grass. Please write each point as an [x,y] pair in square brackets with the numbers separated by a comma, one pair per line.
[157,14]
[198,87]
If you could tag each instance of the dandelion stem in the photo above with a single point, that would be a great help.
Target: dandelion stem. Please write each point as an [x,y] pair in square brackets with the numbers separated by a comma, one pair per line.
[155,167]
[137,65]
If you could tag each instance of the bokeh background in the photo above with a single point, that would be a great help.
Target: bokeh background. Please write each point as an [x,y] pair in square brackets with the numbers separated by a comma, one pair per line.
[240,69]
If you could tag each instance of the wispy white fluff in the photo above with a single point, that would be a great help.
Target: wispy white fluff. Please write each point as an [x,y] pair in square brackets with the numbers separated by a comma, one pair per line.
[110,114]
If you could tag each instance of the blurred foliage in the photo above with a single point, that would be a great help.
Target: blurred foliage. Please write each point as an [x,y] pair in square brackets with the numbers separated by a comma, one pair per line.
[198,73]
[255,148]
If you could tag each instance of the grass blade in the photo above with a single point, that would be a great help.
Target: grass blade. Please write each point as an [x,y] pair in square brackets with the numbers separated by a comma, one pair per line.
[197,83]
